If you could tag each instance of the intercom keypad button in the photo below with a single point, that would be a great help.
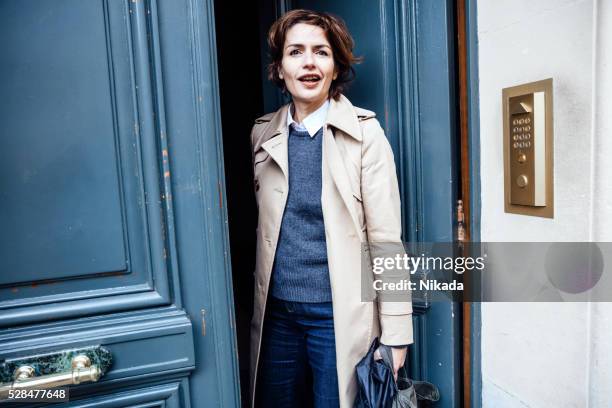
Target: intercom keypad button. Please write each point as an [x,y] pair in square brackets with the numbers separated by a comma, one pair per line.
[522,181]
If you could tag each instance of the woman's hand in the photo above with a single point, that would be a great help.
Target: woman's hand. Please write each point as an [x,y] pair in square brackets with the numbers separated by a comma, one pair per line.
[399,357]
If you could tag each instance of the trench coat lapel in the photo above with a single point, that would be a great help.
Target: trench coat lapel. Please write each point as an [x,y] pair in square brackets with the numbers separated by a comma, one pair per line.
[339,176]
[341,116]
[275,140]
[277,147]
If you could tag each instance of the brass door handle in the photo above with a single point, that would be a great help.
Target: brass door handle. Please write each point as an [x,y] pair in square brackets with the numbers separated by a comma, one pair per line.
[24,377]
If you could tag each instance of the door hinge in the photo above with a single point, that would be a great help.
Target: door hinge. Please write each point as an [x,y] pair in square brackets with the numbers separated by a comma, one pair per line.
[460,222]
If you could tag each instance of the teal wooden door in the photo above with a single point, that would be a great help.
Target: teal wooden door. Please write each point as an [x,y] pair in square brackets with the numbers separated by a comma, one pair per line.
[408,79]
[113,235]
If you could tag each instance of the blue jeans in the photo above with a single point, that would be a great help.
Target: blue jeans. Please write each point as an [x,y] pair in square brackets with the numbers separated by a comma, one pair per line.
[297,336]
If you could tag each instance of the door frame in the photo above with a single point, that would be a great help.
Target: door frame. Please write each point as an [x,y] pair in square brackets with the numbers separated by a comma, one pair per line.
[467,40]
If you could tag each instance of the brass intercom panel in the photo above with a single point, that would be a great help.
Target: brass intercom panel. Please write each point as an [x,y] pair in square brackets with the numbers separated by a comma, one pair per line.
[528,149]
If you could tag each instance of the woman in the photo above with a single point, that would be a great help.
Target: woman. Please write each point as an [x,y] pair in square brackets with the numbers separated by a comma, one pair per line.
[325,183]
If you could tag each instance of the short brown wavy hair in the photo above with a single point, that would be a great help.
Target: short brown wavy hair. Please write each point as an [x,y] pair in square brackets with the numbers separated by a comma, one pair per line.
[337,34]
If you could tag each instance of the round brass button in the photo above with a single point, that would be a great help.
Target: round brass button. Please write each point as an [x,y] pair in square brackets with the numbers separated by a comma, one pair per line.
[522,158]
[522,181]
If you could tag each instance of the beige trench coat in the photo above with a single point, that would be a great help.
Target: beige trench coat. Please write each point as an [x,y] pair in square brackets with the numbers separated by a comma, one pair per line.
[360,201]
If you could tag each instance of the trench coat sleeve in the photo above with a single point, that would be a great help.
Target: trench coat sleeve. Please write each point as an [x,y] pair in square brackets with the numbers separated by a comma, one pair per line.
[382,210]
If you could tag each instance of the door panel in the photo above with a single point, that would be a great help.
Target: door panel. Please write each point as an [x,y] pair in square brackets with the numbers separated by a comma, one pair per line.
[438,357]
[57,168]
[172,395]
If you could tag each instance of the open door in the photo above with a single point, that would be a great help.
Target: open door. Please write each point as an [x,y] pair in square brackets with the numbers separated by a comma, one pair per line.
[115,271]
[408,79]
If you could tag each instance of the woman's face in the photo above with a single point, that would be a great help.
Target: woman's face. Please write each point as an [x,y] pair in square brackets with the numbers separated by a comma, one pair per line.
[308,64]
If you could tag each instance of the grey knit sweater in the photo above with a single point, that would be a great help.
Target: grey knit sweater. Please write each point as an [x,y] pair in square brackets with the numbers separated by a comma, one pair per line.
[300,271]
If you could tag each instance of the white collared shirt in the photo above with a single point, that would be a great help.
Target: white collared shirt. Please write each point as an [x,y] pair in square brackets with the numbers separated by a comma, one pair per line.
[311,123]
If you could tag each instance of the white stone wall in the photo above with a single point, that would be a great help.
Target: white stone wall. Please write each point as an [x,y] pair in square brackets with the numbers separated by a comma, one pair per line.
[549,354]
